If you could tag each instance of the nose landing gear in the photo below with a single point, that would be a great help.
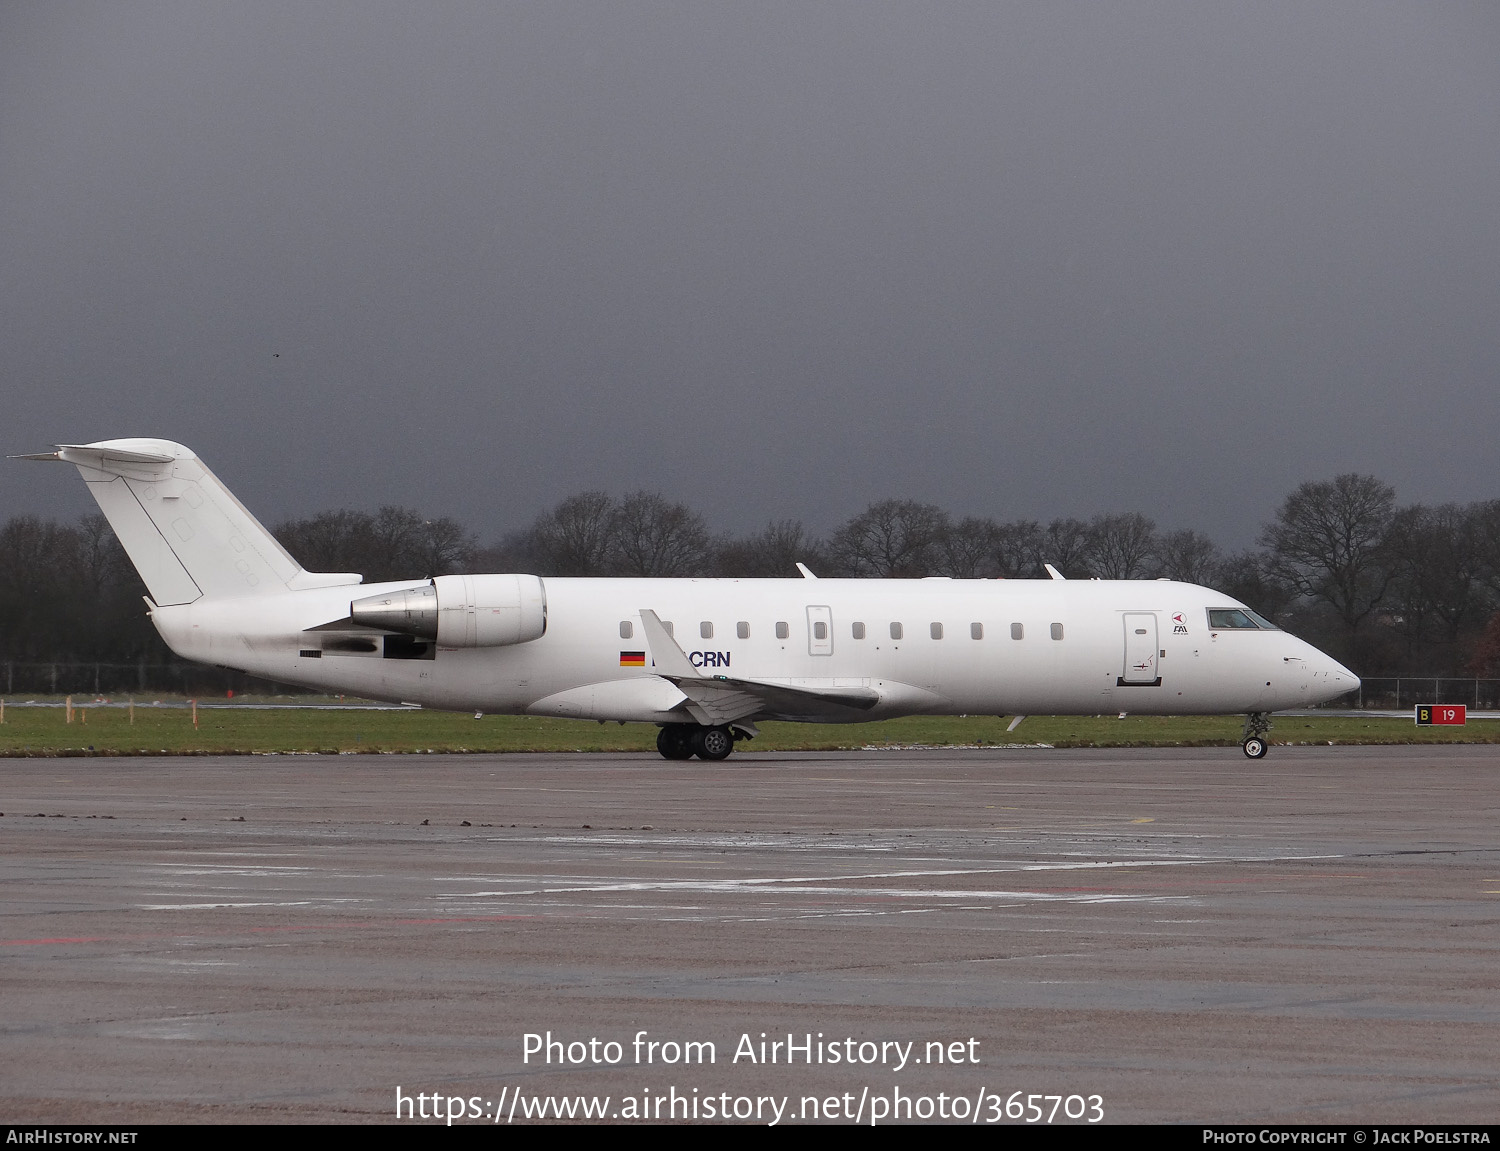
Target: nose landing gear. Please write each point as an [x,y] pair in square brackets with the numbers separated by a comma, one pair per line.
[1257,727]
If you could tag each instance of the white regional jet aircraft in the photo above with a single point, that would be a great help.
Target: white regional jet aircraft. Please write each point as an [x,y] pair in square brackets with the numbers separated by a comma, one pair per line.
[704,659]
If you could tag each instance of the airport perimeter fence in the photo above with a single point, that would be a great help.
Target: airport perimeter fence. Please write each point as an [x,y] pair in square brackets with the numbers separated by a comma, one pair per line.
[133,679]
[1377,693]
[1394,693]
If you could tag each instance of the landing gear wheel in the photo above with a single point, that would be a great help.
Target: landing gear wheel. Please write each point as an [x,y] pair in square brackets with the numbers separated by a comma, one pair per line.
[1257,727]
[675,741]
[713,742]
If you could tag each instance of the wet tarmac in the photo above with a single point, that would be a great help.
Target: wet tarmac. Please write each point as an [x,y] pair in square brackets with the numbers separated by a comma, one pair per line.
[1181,935]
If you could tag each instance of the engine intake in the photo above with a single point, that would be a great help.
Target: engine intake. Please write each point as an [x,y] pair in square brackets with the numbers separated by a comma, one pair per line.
[461,610]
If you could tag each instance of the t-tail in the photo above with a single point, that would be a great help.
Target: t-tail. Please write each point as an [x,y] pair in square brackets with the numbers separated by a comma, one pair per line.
[184,531]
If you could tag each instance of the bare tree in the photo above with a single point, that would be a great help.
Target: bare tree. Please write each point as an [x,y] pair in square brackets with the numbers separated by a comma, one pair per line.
[652,537]
[1485,659]
[395,543]
[337,541]
[1485,518]
[395,535]
[1018,549]
[775,551]
[442,547]
[511,553]
[1329,543]
[38,564]
[892,538]
[1188,556]
[574,538]
[967,550]
[1121,546]
[1436,557]
[1064,545]
[99,554]
[1247,577]
[69,593]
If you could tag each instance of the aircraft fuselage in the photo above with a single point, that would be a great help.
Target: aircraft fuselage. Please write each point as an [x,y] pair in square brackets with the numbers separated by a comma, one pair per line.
[940,646]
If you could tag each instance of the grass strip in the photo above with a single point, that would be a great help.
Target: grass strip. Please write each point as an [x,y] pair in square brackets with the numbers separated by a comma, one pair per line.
[228,731]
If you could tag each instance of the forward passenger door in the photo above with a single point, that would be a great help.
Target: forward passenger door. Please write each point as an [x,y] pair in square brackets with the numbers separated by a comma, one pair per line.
[1140,650]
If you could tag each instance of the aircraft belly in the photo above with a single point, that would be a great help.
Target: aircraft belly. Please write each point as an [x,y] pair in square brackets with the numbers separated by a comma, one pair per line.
[643,699]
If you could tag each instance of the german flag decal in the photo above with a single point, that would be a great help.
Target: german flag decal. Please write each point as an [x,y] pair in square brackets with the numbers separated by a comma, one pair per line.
[632,659]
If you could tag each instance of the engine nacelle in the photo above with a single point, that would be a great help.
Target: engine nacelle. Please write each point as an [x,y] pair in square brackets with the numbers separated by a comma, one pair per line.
[461,610]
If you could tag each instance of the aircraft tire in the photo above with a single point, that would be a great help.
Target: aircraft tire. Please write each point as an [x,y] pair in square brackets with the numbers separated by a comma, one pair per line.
[675,741]
[1255,747]
[713,742]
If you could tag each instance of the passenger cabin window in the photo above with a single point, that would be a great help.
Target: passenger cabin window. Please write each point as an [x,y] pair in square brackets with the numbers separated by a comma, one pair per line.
[627,629]
[742,629]
[935,630]
[820,629]
[895,631]
[858,630]
[706,629]
[782,630]
[1057,631]
[1017,631]
[976,631]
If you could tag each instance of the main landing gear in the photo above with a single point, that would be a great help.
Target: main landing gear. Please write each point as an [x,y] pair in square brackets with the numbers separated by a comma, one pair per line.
[685,740]
[1257,727]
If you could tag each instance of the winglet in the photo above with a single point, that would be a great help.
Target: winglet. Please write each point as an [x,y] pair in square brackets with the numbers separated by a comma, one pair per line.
[1053,572]
[670,659]
[806,574]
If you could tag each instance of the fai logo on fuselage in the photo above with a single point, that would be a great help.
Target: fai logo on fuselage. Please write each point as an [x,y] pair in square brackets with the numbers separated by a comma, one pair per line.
[1179,624]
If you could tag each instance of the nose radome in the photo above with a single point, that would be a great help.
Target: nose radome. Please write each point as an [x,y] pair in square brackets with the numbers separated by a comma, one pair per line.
[1335,679]
[1325,665]
[1324,678]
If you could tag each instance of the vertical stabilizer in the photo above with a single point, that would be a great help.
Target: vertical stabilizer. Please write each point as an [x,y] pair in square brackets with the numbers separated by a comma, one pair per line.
[184,531]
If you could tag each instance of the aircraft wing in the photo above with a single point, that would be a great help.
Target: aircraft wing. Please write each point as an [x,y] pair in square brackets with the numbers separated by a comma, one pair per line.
[715,703]
[722,699]
[719,699]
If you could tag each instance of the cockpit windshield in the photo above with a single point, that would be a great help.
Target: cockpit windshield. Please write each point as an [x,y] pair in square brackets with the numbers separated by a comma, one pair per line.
[1238,618]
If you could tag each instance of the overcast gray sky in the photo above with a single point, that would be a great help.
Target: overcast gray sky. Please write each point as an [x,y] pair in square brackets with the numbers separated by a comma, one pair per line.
[774,260]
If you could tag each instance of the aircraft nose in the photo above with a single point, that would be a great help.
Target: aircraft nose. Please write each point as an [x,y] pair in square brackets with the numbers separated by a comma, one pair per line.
[1333,679]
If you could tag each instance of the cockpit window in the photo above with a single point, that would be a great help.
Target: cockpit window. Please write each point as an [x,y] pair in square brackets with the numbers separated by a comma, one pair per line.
[1232,618]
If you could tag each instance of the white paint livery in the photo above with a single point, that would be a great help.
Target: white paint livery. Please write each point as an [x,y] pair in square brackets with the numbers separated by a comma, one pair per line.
[703,658]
